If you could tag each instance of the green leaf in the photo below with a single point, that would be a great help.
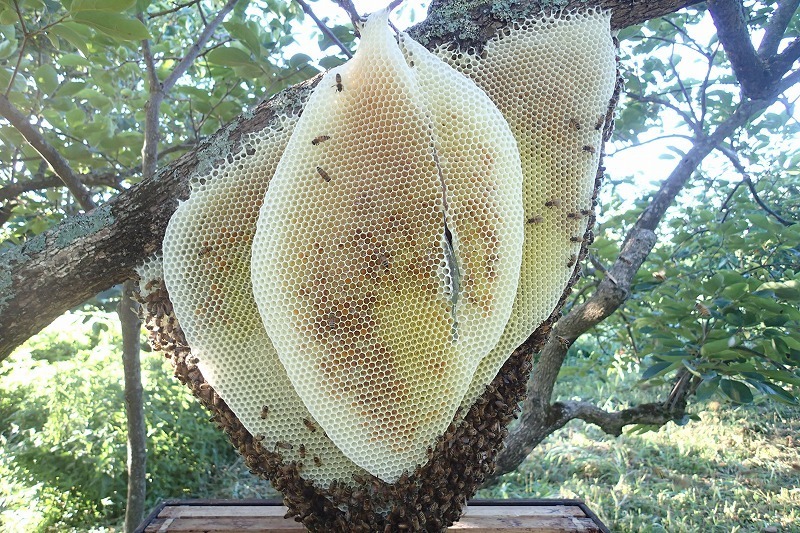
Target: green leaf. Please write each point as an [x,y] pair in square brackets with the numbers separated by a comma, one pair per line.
[7,49]
[330,62]
[8,16]
[246,34]
[656,369]
[299,60]
[46,78]
[229,57]
[114,25]
[707,388]
[111,6]
[709,349]
[787,290]
[73,60]
[69,31]
[736,391]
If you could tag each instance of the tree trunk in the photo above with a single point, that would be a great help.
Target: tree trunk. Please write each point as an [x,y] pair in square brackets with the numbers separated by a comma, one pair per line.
[134,411]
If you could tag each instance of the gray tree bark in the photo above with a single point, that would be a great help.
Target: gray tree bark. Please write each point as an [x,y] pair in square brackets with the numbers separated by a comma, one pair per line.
[134,410]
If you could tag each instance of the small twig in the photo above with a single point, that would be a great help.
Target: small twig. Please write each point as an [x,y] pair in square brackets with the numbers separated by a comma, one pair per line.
[350,9]
[737,164]
[724,207]
[686,94]
[25,36]
[215,106]
[324,28]
[178,7]
[195,49]
[689,119]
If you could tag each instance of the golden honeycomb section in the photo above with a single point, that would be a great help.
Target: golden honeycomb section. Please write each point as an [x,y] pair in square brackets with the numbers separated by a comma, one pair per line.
[552,77]
[387,251]
[207,250]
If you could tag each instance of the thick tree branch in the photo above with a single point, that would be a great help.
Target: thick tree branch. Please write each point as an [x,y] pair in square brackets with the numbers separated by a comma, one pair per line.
[750,69]
[538,420]
[781,63]
[773,32]
[56,161]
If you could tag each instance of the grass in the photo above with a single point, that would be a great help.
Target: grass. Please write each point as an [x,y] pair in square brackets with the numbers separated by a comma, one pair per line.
[737,469]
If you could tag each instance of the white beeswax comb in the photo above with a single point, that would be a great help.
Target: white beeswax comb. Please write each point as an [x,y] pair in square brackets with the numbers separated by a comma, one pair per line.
[206,269]
[552,77]
[387,251]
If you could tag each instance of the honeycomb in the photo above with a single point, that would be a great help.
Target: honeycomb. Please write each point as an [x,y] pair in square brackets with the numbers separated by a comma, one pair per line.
[387,252]
[552,77]
[207,273]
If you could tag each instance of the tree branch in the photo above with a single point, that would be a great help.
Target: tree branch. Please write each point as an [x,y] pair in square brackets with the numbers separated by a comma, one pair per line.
[737,164]
[59,165]
[13,190]
[537,420]
[750,69]
[181,68]
[173,9]
[773,32]
[324,28]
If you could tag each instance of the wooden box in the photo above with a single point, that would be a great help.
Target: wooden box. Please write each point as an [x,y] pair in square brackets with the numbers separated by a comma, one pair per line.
[481,516]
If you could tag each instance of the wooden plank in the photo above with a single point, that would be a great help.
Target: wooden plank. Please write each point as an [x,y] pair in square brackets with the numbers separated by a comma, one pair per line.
[540,516]
[279,525]
[198,511]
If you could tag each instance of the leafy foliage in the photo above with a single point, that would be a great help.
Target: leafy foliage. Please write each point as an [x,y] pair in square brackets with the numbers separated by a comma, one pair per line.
[63,447]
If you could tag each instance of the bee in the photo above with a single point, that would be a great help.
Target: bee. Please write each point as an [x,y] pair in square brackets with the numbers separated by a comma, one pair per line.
[574,124]
[323,174]
[284,445]
[385,263]
[586,212]
[599,123]
[574,215]
[563,341]
[302,451]
[264,412]
[538,219]
[588,149]
[317,461]
[576,239]
[555,202]
[572,260]
[702,310]
[320,139]
[339,86]
[309,425]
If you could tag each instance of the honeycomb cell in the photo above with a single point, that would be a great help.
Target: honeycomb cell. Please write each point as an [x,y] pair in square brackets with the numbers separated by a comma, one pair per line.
[552,78]
[388,248]
[207,273]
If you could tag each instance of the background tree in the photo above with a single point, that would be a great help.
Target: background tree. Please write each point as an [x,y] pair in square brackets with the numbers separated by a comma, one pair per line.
[99,95]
